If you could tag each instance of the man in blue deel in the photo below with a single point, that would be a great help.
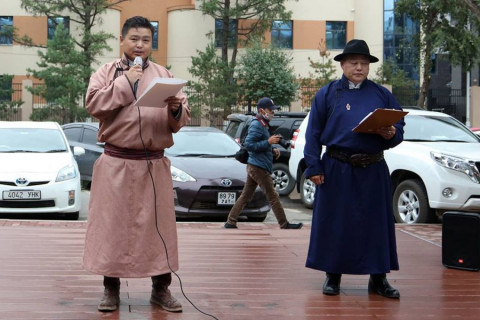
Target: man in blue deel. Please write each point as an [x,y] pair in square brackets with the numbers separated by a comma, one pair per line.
[353,228]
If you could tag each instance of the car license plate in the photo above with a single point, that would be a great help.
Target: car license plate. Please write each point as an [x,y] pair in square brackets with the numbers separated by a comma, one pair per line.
[226,198]
[22,195]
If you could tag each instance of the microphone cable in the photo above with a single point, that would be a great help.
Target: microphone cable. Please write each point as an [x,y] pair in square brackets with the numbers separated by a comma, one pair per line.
[156,217]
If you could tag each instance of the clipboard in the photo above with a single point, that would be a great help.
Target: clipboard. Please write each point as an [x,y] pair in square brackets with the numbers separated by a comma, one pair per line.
[379,118]
[158,90]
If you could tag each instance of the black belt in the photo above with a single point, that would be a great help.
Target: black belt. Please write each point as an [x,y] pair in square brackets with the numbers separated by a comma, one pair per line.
[355,159]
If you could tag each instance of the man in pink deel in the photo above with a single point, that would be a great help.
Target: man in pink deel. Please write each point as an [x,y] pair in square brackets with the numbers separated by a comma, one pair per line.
[132,193]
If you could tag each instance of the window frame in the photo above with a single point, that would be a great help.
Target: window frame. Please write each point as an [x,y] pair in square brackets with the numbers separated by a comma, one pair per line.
[279,41]
[338,40]
[4,39]
[232,30]
[52,24]
[155,25]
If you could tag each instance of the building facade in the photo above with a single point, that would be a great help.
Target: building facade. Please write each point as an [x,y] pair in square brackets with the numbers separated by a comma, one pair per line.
[182,29]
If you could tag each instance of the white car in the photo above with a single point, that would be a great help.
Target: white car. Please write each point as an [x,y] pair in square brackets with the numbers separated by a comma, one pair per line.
[476,130]
[38,173]
[435,169]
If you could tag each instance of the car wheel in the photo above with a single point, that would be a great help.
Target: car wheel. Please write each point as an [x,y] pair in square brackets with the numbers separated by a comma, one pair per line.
[282,180]
[307,192]
[410,203]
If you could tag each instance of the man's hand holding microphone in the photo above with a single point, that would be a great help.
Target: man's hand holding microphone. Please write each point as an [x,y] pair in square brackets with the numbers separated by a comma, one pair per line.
[135,73]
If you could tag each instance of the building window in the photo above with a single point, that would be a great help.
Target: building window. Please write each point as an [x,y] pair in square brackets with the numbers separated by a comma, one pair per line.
[398,40]
[336,34]
[54,21]
[155,35]
[282,34]
[232,33]
[6,30]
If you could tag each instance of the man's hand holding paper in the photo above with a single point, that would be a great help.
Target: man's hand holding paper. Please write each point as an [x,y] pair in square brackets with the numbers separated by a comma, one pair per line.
[173,103]
[387,133]
[161,92]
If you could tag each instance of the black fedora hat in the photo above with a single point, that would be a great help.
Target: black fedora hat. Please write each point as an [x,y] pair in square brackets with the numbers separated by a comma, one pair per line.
[356,46]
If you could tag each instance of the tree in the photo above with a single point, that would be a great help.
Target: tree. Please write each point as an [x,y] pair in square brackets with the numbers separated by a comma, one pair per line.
[87,13]
[8,107]
[390,73]
[445,28]
[323,72]
[62,72]
[250,19]
[473,5]
[212,93]
[267,73]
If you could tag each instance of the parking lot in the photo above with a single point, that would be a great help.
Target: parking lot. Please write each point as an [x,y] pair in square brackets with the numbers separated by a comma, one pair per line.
[294,209]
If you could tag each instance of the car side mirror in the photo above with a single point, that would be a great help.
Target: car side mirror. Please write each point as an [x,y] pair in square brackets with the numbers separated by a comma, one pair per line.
[78,151]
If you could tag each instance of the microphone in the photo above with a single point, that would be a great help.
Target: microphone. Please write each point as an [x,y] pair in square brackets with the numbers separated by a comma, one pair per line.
[136,62]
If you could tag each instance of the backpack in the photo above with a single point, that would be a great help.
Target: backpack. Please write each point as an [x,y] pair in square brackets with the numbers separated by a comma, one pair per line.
[242,154]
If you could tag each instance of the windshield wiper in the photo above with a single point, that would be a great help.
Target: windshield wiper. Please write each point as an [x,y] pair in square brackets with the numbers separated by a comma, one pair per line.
[420,140]
[55,150]
[19,151]
[191,155]
[448,140]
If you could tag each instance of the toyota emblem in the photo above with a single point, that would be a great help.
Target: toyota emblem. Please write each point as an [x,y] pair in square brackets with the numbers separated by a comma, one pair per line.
[21,181]
[226,182]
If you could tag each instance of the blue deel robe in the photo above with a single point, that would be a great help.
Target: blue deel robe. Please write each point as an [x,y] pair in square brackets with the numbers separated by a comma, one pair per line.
[353,227]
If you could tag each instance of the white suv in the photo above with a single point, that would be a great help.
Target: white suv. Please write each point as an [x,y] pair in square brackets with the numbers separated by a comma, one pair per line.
[435,169]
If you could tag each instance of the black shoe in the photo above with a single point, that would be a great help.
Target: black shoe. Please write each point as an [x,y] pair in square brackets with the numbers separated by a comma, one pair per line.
[331,287]
[379,284]
[293,226]
[229,226]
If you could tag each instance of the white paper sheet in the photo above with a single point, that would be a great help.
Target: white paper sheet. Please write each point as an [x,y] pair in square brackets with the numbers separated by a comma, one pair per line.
[158,90]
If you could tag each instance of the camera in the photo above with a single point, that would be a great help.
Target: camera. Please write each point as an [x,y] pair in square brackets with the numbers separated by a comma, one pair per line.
[284,143]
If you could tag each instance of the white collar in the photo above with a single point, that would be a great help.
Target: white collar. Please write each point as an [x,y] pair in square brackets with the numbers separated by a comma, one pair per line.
[351,85]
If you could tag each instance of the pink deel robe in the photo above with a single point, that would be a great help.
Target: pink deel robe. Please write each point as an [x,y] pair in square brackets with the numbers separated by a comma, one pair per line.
[121,238]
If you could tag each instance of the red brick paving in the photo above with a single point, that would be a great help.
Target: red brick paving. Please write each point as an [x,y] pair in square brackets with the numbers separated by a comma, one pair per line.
[256,272]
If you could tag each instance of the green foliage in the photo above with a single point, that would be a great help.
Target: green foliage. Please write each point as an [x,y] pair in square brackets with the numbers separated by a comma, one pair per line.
[61,69]
[263,11]
[213,94]
[390,73]
[445,28]
[267,73]
[87,14]
[8,108]
[259,15]
[323,73]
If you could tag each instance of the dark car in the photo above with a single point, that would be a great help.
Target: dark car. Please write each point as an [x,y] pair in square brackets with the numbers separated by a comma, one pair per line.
[283,123]
[207,179]
[84,135]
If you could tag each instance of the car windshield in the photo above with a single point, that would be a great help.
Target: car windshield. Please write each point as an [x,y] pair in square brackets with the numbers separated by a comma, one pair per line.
[436,128]
[31,140]
[202,144]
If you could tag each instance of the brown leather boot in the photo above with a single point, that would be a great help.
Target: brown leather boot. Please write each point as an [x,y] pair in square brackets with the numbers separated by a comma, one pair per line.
[161,294]
[111,295]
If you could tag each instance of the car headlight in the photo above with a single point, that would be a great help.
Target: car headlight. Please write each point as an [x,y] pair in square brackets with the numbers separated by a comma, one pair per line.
[180,175]
[459,164]
[66,173]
